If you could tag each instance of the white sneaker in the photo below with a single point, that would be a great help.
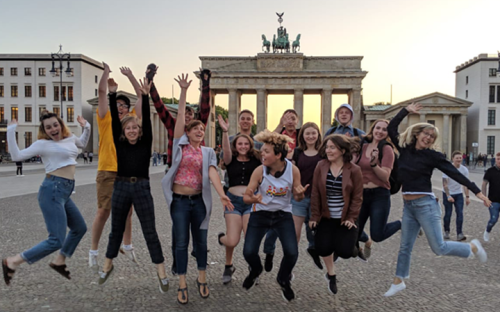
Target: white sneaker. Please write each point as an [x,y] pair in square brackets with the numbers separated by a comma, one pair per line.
[130,254]
[93,263]
[395,289]
[486,236]
[481,253]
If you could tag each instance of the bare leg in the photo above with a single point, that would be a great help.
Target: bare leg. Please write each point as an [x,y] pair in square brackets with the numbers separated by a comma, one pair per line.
[161,270]
[14,262]
[234,225]
[330,266]
[98,226]
[202,278]
[59,260]
[298,221]
[127,235]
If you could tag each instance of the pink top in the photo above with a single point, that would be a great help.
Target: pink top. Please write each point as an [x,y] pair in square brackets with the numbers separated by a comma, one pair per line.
[189,173]
[368,173]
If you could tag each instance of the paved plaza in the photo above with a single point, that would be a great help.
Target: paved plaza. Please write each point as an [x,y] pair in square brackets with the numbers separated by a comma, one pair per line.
[436,283]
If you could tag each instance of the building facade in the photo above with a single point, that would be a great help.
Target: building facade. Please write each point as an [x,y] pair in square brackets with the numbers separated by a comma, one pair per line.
[478,81]
[27,88]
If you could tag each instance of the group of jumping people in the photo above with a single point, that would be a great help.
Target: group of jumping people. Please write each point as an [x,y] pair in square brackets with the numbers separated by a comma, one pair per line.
[276,182]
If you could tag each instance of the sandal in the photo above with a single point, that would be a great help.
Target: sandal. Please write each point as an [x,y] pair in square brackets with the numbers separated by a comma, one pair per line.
[61,269]
[8,273]
[205,287]
[184,295]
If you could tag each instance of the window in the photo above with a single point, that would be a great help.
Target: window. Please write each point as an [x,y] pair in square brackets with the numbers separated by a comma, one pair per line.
[70,114]
[40,110]
[70,93]
[42,91]
[498,94]
[1,91]
[27,139]
[27,114]
[2,114]
[491,117]
[492,94]
[63,93]
[493,72]
[41,71]
[490,145]
[27,91]
[56,110]
[466,94]
[13,91]
[95,92]
[56,93]
[14,113]
[96,79]
[27,71]
[13,71]
[432,122]
[1,71]
[466,80]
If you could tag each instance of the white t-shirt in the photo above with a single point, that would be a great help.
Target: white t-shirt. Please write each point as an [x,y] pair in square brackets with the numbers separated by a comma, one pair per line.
[453,186]
[55,154]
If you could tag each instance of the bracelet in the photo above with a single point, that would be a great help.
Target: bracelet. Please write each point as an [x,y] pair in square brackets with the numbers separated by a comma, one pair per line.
[373,165]
[224,131]
[466,196]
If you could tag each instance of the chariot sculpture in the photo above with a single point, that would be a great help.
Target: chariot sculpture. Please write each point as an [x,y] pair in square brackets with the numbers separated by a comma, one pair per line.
[280,42]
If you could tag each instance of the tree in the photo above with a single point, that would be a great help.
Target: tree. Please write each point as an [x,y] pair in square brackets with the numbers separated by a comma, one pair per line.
[219,110]
[169,100]
[382,103]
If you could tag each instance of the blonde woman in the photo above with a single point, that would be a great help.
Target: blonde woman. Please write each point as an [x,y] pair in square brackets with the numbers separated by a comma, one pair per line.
[417,160]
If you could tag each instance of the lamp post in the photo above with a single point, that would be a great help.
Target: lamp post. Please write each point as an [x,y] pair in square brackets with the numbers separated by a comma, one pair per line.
[61,56]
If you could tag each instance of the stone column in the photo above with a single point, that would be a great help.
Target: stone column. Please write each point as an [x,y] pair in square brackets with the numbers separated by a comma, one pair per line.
[261,109]
[463,132]
[355,102]
[210,131]
[156,139]
[422,118]
[298,105]
[233,111]
[445,138]
[326,110]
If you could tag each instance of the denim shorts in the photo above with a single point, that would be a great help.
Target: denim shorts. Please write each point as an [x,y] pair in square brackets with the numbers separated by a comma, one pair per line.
[240,208]
[302,208]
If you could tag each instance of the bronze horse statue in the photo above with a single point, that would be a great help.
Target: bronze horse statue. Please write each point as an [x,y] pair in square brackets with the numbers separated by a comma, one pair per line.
[296,44]
[266,44]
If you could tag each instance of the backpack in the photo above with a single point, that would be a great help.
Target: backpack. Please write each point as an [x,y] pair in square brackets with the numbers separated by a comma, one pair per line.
[393,178]
[332,130]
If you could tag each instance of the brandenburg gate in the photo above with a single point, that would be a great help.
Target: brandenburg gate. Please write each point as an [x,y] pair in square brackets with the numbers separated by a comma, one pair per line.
[286,73]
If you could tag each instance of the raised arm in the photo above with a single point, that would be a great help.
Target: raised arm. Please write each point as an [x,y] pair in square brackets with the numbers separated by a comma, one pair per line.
[163,113]
[103,100]
[283,119]
[116,125]
[394,123]
[205,96]
[137,88]
[15,153]
[147,131]
[83,140]
[181,110]
[227,156]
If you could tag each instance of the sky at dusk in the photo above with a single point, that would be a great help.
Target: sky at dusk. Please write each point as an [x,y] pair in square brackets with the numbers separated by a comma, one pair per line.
[413,45]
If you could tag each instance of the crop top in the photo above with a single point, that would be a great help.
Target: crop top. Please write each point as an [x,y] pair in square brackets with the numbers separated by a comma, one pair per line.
[190,168]
[239,172]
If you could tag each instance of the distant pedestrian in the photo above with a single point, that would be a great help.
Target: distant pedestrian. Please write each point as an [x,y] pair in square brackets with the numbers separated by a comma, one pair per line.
[85,157]
[155,158]
[91,155]
[19,171]
[492,177]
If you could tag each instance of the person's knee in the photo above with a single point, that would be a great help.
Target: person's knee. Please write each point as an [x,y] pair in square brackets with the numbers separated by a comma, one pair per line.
[377,237]
[231,242]
[103,215]
[55,243]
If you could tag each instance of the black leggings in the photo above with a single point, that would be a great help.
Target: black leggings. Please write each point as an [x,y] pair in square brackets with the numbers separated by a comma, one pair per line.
[19,171]
[331,237]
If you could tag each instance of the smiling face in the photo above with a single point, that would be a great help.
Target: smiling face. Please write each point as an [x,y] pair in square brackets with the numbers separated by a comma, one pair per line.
[457,160]
[242,146]
[333,153]
[310,136]
[246,122]
[123,108]
[189,116]
[380,131]
[425,139]
[132,130]
[268,156]
[344,116]
[196,134]
[53,128]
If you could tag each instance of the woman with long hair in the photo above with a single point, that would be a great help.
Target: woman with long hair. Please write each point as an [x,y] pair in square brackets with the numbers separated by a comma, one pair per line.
[240,160]
[306,156]
[337,193]
[417,160]
[133,138]
[188,193]
[58,148]
[376,186]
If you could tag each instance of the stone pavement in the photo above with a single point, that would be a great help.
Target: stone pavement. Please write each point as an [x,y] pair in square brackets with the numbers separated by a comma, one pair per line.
[436,283]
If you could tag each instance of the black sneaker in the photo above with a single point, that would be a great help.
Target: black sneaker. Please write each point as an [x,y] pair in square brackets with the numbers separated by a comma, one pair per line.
[286,290]
[361,255]
[219,236]
[251,279]
[314,255]
[268,265]
[228,273]
[332,283]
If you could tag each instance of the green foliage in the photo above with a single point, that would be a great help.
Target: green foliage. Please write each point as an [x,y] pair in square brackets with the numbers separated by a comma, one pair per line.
[169,100]
[335,123]
[219,110]
[382,103]
[254,129]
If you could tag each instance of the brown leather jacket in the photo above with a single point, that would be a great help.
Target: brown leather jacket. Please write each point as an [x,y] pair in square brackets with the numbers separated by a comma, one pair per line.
[352,190]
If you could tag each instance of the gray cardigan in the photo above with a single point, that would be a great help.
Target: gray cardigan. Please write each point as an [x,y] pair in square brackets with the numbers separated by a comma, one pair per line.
[209,159]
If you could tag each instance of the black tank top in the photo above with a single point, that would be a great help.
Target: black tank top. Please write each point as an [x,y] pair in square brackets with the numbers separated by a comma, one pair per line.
[239,172]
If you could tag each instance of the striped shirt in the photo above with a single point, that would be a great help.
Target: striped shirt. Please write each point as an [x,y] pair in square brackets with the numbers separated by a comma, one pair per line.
[334,196]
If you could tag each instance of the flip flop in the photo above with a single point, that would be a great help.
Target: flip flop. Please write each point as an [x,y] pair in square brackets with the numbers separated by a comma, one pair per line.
[184,295]
[205,286]
[8,273]
[61,269]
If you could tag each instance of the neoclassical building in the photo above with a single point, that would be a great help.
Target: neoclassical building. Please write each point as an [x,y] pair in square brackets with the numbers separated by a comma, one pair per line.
[447,113]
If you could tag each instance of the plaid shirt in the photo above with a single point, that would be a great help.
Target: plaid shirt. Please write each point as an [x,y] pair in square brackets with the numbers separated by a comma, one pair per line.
[169,121]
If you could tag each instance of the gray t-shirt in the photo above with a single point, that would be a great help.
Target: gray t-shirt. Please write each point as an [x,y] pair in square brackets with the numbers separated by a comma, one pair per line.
[453,186]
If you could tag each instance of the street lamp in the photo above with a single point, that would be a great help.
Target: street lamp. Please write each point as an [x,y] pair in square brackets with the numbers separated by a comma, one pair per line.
[61,56]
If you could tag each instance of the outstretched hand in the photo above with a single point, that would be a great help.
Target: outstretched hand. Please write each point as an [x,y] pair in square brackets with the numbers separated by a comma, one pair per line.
[205,75]
[126,71]
[414,108]
[112,85]
[300,190]
[226,202]
[183,82]
[224,124]
[106,68]
[349,224]
[284,119]
[82,121]
[145,86]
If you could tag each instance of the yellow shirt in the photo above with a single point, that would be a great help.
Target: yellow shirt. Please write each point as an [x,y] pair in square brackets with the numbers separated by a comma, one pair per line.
[107,151]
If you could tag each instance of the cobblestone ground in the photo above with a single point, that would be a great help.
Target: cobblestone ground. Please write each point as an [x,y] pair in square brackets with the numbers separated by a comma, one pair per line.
[436,284]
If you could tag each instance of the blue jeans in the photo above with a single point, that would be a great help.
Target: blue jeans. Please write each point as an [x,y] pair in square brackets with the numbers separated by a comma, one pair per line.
[448,210]
[188,212]
[494,211]
[424,212]
[377,206]
[59,213]
[280,223]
